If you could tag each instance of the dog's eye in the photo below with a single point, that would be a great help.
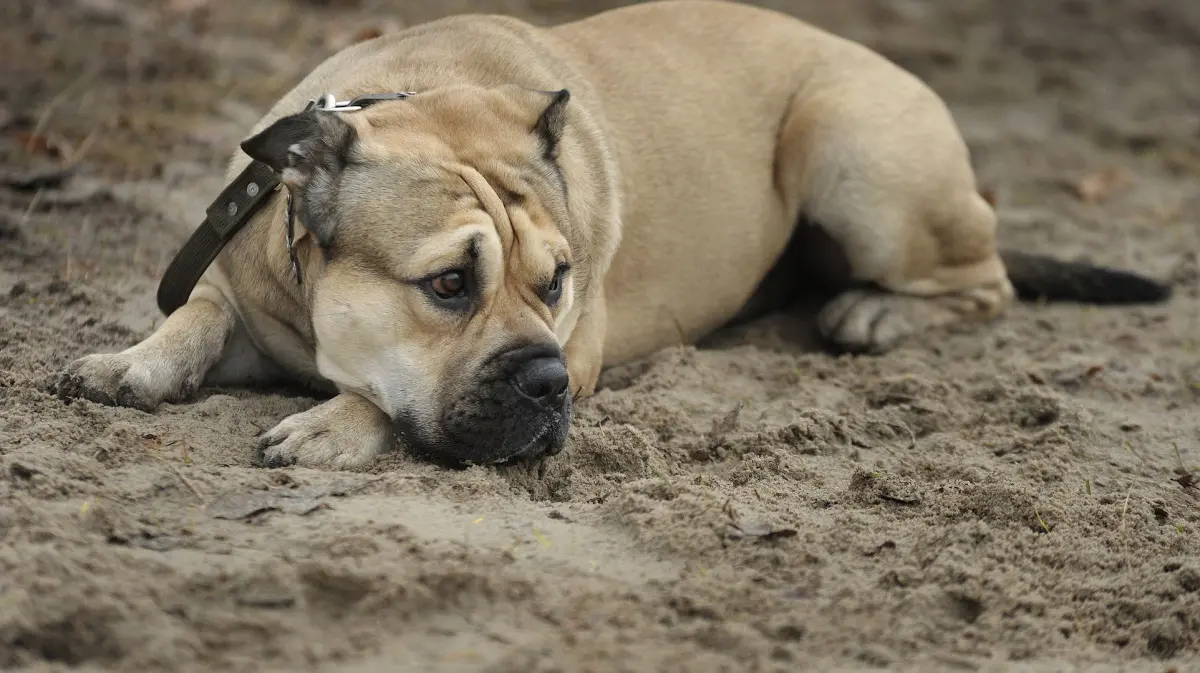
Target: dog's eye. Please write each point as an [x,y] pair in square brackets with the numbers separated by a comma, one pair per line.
[555,288]
[450,285]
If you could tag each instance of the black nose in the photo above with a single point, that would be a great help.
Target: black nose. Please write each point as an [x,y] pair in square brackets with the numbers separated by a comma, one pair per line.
[543,379]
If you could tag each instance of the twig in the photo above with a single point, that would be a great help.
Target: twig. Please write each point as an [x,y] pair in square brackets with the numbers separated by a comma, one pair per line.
[187,482]
[44,118]
[1124,539]
[183,480]
[1129,446]
[1039,518]
[33,203]
[84,145]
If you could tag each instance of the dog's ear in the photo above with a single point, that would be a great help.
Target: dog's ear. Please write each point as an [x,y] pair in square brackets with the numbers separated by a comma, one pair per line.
[302,146]
[308,150]
[551,122]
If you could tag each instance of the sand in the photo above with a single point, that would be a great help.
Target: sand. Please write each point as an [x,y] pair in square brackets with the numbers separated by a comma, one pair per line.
[1015,497]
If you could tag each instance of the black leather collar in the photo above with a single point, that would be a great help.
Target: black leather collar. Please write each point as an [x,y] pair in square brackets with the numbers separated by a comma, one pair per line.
[231,211]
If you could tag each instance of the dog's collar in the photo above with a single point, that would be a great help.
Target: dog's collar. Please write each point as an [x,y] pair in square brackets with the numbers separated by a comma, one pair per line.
[232,209]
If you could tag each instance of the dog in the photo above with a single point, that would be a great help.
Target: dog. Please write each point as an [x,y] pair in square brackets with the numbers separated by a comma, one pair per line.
[531,205]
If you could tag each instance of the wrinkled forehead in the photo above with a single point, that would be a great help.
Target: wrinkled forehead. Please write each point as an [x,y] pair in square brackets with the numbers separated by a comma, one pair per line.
[419,212]
[469,124]
[448,110]
[390,202]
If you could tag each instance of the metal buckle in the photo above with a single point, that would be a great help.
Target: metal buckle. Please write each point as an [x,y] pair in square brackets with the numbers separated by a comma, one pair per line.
[329,103]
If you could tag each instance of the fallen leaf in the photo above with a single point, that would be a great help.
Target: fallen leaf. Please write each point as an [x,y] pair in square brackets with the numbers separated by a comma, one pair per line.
[989,195]
[1098,186]
[760,531]
[240,506]
[369,33]
[267,601]
[37,143]
[1186,480]
[876,487]
[888,492]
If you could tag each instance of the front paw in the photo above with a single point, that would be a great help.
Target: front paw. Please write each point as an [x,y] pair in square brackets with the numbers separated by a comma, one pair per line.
[345,433]
[583,378]
[117,379]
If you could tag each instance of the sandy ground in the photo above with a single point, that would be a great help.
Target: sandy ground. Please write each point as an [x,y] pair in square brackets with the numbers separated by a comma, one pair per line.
[1016,497]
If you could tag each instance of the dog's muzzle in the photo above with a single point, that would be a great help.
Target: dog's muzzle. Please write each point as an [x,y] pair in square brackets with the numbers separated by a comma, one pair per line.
[521,408]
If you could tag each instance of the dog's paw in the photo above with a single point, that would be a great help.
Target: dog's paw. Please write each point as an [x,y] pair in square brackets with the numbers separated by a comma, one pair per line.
[345,433]
[583,378]
[861,321]
[117,379]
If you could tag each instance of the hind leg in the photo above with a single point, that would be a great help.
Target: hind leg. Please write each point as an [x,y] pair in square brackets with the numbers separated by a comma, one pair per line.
[924,275]
[897,194]
[927,270]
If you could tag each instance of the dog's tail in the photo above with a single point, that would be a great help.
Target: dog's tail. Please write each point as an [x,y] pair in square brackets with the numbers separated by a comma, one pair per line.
[1042,278]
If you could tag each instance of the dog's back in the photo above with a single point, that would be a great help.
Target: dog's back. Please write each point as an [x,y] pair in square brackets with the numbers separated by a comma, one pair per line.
[696,93]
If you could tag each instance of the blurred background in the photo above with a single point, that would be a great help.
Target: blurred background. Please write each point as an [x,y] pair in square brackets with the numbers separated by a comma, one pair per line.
[135,83]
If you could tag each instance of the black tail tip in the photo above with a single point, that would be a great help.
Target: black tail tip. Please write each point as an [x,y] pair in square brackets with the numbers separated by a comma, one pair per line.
[1093,285]
[1147,290]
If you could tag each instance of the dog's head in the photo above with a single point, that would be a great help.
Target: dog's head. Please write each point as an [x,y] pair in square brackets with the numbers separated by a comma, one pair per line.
[443,270]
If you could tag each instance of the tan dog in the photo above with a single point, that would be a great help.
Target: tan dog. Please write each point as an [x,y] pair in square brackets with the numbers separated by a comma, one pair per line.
[467,248]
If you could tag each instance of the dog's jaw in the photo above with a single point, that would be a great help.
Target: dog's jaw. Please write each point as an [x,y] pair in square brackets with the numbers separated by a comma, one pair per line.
[466,443]
[510,433]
